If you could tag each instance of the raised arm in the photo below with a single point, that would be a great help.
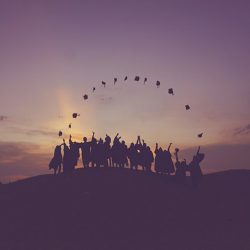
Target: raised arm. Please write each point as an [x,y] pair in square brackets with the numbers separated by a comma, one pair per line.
[176,154]
[156,148]
[169,146]
[117,138]
[70,141]
[138,140]
[198,150]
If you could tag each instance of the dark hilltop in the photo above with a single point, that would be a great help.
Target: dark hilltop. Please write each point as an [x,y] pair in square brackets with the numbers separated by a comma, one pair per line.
[123,209]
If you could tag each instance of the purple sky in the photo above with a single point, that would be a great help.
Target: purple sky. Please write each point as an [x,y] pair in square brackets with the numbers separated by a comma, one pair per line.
[53,52]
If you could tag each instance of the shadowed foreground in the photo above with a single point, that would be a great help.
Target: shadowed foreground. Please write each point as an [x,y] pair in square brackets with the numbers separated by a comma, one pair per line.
[119,209]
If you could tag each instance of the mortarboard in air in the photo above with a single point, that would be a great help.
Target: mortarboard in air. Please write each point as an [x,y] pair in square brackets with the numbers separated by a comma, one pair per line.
[70,125]
[103,83]
[145,80]
[93,89]
[137,78]
[74,115]
[171,91]
[85,97]
[158,84]
[187,107]
[200,135]
[60,133]
[126,78]
[115,80]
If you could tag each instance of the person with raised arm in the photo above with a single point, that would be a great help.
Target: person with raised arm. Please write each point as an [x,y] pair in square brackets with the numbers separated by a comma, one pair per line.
[107,152]
[116,153]
[66,158]
[74,149]
[195,169]
[168,162]
[158,159]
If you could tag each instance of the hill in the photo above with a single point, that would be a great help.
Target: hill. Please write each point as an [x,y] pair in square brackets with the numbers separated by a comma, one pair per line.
[123,209]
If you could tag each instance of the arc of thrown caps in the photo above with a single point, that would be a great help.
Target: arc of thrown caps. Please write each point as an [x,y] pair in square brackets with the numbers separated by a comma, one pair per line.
[137,78]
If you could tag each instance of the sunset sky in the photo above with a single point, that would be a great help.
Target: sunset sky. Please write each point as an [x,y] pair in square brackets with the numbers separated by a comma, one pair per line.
[54,51]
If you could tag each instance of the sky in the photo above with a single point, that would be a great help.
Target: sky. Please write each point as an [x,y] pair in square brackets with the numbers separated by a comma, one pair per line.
[53,52]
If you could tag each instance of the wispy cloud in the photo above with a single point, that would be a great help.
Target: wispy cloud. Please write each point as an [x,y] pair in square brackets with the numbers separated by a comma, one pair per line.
[22,159]
[34,132]
[105,99]
[243,130]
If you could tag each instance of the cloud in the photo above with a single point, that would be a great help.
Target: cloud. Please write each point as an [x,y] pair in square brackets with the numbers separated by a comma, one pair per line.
[22,159]
[220,157]
[242,131]
[3,118]
[34,132]
[40,132]
[103,99]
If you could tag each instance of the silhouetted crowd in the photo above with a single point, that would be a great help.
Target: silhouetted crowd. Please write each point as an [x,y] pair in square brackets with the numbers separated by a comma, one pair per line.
[104,153]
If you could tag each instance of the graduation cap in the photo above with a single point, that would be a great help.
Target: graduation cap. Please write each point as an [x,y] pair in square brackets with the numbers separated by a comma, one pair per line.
[60,133]
[187,107]
[200,135]
[158,84]
[145,80]
[103,83]
[93,89]
[74,115]
[126,78]
[85,97]
[115,80]
[70,125]
[171,91]
[137,78]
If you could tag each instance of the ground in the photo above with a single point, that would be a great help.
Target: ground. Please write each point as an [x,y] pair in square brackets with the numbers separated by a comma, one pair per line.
[106,209]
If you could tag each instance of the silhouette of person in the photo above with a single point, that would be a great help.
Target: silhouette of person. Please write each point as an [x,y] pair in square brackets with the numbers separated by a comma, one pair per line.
[86,152]
[168,163]
[67,159]
[149,159]
[158,159]
[107,152]
[100,156]
[94,150]
[116,151]
[139,156]
[132,156]
[181,167]
[56,162]
[143,156]
[74,149]
[195,169]
[123,151]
